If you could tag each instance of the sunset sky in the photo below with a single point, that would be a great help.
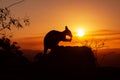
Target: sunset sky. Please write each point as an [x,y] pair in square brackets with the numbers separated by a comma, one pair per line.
[96,17]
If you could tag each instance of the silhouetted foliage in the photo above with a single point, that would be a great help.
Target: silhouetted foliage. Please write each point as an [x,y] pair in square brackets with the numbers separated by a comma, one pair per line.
[95,45]
[7,21]
[70,60]
[78,55]
[10,52]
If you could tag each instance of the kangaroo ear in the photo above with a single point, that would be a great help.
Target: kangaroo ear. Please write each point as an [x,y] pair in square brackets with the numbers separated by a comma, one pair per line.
[66,28]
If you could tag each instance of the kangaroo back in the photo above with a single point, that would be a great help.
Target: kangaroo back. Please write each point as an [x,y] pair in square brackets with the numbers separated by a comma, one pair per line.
[53,37]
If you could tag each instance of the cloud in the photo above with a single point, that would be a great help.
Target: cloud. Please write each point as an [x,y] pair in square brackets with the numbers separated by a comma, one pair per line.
[103,32]
[34,43]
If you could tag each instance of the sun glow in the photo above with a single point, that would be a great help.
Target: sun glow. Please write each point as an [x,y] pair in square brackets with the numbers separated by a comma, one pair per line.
[80,32]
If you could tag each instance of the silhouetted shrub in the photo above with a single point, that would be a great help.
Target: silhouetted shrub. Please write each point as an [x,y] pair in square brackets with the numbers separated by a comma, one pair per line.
[82,56]
[10,53]
[38,58]
[70,60]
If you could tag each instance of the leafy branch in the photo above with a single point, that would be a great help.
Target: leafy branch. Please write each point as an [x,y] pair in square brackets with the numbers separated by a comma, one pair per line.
[7,20]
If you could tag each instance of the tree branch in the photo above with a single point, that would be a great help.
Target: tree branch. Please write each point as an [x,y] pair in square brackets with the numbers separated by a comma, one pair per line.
[14,4]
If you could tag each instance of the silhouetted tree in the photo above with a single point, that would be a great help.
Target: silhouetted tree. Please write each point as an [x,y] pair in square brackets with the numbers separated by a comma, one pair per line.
[7,20]
[10,52]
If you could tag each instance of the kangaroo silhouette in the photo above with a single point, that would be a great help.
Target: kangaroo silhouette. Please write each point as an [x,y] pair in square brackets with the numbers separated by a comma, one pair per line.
[53,37]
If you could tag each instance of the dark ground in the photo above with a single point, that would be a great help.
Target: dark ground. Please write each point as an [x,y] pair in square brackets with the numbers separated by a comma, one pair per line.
[36,72]
[69,63]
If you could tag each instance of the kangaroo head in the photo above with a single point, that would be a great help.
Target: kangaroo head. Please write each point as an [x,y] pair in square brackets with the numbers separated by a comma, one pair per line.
[68,32]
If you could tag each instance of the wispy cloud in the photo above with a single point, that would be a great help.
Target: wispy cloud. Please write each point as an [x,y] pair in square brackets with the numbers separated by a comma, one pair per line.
[103,32]
[34,43]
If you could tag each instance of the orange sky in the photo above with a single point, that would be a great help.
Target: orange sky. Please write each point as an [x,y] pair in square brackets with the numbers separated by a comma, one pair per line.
[45,15]
[111,40]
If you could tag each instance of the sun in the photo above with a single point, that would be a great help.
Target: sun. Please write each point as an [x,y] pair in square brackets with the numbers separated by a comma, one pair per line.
[80,32]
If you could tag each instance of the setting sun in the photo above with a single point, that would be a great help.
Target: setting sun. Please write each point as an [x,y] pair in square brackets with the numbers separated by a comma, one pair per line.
[80,32]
